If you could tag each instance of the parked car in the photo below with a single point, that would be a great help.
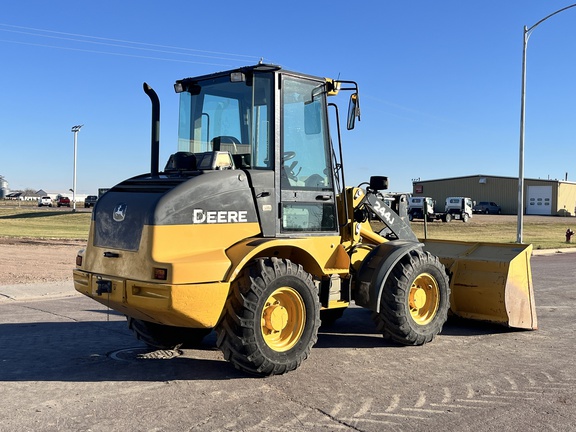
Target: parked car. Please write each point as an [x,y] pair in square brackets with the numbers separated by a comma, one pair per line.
[63,201]
[487,207]
[45,201]
[90,201]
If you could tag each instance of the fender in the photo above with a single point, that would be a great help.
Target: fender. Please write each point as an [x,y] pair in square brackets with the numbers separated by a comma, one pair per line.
[318,255]
[375,270]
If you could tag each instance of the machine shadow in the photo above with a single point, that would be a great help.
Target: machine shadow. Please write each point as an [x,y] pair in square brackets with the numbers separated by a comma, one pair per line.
[35,215]
[357,330]
[97,351]
[91,351]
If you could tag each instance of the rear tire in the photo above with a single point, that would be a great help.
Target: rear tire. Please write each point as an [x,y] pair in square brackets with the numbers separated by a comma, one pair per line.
[415,300]
[159,336]
[271,319]
[447,217]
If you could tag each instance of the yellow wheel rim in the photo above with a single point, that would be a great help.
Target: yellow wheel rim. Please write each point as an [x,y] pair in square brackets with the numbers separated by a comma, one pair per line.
[283,319]
[424,298]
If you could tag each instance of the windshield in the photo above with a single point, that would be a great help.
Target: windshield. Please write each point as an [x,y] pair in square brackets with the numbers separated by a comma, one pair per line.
[220,115]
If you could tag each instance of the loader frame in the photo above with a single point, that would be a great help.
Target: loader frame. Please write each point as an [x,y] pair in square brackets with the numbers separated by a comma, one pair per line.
[251,230]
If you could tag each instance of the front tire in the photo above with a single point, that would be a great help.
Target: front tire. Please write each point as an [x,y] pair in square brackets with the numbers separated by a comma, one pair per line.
[271,319]
[415,300]
[159,336]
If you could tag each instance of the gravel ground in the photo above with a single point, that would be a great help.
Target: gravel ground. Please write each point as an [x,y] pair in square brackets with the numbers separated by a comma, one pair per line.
[27,261]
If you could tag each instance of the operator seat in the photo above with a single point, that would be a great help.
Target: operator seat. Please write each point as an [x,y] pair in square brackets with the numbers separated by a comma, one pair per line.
[225,143]
[314,181]
[234,147]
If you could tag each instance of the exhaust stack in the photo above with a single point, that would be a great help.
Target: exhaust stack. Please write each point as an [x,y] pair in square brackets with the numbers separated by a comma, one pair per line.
[155,140]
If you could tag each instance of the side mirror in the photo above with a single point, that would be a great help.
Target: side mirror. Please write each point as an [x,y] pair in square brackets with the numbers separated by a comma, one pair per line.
[353,110]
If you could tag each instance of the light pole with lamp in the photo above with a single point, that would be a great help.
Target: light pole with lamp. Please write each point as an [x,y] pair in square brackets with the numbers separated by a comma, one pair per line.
[527,33]
[75,129]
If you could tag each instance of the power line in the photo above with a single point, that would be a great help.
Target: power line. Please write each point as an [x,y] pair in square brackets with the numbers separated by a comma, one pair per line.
[139,45]
[120,46]
[113,53]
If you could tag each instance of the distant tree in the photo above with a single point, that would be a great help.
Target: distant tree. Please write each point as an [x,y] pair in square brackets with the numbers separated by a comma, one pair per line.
[29,192]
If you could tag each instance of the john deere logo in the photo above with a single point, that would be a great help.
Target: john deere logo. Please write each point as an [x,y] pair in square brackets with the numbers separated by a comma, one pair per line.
[119,212]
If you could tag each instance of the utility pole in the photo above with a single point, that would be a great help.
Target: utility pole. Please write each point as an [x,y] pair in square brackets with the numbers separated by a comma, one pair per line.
[75,129]
[527,32]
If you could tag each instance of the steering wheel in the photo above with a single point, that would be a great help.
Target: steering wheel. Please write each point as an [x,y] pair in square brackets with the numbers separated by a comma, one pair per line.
[289,170]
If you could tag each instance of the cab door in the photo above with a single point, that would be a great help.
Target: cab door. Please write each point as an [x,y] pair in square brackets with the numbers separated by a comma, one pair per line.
[307,195]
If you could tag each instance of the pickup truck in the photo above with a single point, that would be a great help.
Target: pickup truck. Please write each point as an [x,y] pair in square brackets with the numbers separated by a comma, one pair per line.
[63,201]
[44,201]
[90,201]
[487,207]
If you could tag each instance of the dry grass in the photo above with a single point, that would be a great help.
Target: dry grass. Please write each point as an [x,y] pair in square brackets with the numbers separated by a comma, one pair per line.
[544,232]
[45,222]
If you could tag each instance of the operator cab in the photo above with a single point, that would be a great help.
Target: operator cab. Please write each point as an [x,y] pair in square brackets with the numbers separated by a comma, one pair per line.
[273,125]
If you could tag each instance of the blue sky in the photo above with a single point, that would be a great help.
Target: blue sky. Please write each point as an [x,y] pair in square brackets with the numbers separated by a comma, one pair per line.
[439,82]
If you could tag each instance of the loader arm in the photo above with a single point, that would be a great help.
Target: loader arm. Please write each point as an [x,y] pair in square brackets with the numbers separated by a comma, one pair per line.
[396,222]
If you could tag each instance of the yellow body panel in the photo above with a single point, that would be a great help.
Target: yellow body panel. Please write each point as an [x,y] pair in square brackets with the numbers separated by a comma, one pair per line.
[196,253]
[191,305]
[194,293]
[190,253]
[489,281]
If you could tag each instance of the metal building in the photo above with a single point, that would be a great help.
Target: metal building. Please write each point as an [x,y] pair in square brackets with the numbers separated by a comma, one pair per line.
[541,197]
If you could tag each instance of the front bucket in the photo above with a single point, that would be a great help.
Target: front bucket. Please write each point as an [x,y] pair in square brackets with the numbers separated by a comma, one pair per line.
[489,281]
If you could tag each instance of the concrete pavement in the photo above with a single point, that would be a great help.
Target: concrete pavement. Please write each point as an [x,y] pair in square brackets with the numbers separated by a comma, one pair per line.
[36,291]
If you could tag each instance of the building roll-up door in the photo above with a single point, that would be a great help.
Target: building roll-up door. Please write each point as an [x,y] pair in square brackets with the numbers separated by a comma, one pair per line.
[539,200]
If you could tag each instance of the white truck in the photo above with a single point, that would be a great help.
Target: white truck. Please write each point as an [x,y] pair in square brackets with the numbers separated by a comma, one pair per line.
[455,208]
[418,206]
[458,208]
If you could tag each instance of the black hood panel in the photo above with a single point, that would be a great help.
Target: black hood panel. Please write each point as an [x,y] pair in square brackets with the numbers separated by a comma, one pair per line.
[119,219]
[212,197]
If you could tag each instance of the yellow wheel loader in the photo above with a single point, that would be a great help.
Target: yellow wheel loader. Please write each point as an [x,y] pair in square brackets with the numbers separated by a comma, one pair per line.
[249,230]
